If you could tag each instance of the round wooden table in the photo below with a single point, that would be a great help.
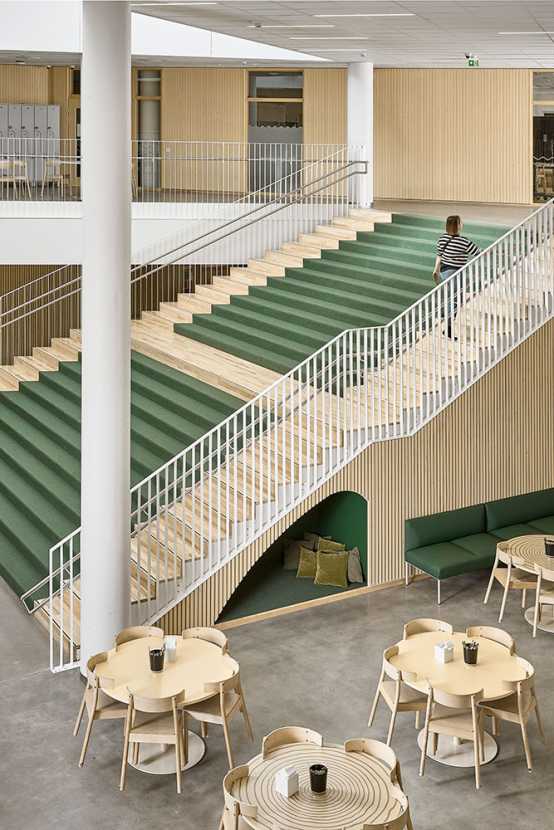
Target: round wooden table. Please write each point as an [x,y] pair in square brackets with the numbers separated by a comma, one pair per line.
[530,549]
[197,662]
[495,666]
[358,790]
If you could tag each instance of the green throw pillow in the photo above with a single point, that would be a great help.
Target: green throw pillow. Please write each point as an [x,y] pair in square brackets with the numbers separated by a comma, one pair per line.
[291,555]
[332,569]
[328,546]
[306,563]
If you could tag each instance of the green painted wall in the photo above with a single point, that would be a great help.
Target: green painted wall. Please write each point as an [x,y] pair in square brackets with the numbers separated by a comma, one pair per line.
[342,516]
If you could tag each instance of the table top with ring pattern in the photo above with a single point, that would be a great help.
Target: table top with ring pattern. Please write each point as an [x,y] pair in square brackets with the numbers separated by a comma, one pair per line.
[530,549]
[359,789]
[495,666]
[198,662]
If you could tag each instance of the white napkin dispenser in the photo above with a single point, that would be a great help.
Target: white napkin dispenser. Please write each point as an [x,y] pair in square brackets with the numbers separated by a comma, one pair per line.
[286,781]
[444,652]
[171,648]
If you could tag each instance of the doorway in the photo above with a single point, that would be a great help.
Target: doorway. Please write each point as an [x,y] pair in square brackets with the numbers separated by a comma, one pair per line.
[543,136]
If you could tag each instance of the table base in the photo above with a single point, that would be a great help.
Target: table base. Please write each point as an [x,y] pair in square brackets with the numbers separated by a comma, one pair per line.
[546,622]
[455,754]
[159,759]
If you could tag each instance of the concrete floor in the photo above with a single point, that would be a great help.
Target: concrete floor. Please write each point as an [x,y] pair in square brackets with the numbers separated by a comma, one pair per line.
[317,668]
[508,215]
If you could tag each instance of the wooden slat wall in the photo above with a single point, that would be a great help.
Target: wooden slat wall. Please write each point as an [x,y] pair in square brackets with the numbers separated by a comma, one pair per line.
[13,276]
[59,92]
[23,84]
[497,440]
[453,134]
[325,104]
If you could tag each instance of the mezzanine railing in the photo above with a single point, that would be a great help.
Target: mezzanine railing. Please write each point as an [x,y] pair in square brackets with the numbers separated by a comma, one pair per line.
[197,512]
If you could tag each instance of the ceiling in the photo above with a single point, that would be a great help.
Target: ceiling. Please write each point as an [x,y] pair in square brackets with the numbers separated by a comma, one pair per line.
[437,33]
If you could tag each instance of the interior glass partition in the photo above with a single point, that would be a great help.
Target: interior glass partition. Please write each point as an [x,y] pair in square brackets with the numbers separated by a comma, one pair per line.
[543,136]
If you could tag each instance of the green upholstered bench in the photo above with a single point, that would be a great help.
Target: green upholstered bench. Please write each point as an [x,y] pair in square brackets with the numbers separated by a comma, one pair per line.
[461,541]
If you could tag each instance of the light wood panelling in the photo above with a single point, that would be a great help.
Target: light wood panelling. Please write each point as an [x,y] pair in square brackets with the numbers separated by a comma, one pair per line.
[453,134]
[495,441]
[59,79]
[23,84]
[325,102]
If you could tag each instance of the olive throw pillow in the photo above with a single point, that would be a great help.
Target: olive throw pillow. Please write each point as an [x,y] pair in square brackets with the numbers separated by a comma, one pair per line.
[355,573]
[328,546]
[291,555]
[312,540]
[332,569]
[306,563]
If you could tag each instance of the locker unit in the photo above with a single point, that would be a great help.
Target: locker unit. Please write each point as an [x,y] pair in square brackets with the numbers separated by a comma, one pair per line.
[3,129]
[33,131]
[27,149]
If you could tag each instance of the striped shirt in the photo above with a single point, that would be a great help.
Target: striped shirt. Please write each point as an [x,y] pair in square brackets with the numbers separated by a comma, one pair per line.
[455,251]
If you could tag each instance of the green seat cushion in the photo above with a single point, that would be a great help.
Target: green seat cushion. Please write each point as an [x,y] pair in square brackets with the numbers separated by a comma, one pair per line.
[442,560]
[519,509]
[509,531]
[332,569]
[481,545]
[442,527]
[544,525]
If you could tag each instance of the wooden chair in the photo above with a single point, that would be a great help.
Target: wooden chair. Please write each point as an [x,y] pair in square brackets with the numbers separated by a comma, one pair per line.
[458,716]
[544,594]
[227,698]
[210,635]
[99,705]
[155,721]
[497,635]
[289,735]
[395,823]
[397,695]
[519,707]
[135,632]
[425,624]
[511,577]
[53,175]
[234,809]
[384,754]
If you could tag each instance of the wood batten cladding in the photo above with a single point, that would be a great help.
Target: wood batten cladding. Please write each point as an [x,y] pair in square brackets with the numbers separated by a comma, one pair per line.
[453,135]
[325,106]
[495,441]
[23,84]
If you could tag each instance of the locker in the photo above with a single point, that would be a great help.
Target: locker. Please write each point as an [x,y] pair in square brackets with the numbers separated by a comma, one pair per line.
[40,144]
[27,153]
[54,121]
[14,120]
[3,129]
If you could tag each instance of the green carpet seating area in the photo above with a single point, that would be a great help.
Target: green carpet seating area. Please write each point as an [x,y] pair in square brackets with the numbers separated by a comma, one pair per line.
[460,541]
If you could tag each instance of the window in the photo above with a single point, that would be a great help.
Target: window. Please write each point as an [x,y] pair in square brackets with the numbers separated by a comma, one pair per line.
[75,81]
[148,83]
[276,85]
[543,136]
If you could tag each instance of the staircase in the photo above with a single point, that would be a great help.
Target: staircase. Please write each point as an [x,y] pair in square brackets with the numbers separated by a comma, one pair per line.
[285,335]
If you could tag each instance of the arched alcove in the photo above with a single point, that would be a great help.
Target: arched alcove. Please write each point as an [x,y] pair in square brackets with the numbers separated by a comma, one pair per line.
[268,586]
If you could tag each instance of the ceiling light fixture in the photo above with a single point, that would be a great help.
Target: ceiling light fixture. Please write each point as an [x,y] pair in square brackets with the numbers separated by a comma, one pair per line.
[316,37]
[300,26]
[525,33]
[370,14]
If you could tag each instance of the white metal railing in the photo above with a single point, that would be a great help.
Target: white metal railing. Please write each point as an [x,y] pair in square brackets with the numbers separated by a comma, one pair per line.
[209,246]
[198,511]
[212,172]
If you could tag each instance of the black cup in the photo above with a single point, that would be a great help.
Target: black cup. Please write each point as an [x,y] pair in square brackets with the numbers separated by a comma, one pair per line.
[157,659]
[470,653]
[549,547]
[318,778]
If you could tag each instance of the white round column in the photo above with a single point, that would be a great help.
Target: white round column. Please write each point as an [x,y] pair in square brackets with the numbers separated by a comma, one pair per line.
[105,317]
[360,121]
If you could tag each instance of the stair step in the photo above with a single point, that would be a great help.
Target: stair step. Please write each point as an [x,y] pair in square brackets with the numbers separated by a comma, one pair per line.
[212,295]
[284,258]
[247,276]
[8,381]
[336,232]
[371,214]
[193,303]
[230,286]
[356,224]
[261,266]
[304,251]
[319,240]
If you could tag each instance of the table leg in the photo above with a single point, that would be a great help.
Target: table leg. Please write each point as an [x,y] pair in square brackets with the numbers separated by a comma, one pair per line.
[546,621]
[159,759]
[457,753]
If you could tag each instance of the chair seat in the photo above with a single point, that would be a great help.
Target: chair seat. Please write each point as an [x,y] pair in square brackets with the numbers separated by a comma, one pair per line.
[457,722]
[210,709]
[106,707]
[149,727]
[408,697]
[504,709]
[518,579]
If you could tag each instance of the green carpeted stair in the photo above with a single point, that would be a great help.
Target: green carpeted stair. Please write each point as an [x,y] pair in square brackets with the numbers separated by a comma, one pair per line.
[366,282]
[40,452]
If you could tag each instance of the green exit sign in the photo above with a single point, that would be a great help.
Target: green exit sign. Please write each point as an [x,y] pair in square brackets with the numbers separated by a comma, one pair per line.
[471,60]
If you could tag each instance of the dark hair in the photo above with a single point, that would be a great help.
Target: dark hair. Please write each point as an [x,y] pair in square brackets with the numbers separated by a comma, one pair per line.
[453,225]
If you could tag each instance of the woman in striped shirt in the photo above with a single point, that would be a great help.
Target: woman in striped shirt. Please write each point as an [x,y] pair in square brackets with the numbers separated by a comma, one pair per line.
[453,252]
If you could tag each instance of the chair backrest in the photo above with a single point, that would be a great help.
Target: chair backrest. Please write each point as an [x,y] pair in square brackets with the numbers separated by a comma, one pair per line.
[423,624]
[136,632]
[502,553]
[231,684]
[545,573]
[233,804]
[155,705]
[398,823]
[390,670]
[289,735]
[454,701]
[497,635]
[92,662]
[210,635]
[525,687]
[376,749]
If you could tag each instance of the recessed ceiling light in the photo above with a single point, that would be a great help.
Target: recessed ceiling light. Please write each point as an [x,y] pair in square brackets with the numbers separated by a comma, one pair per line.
[202,3]
[352,49]
[300,26]
[525,33]
[370,14]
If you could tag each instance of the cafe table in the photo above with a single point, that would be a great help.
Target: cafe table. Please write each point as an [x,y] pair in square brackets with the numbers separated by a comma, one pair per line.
[359,789]
[495,670]
[197,663]
[530,550]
